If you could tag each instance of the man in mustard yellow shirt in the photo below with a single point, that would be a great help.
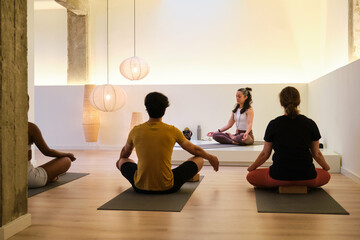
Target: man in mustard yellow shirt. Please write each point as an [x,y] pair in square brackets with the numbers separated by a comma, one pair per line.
[154,142]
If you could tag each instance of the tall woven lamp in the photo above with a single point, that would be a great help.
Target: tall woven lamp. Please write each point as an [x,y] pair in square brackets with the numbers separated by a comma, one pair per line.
[91,118]
[136,119]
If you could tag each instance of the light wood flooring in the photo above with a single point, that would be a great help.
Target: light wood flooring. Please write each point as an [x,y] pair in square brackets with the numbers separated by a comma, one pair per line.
[222,207]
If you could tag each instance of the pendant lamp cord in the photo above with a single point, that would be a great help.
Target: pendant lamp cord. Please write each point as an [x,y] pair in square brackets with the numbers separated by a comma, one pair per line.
[134,31]
[107,40]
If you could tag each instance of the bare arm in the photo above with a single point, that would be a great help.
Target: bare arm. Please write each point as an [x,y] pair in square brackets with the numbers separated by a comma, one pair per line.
[250,118]
[263,156]
[198,151]
[126,150]
[317,155]
[229,124]
[36,136]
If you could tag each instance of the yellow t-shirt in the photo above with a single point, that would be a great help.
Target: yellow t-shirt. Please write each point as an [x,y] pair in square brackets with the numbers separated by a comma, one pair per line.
[154,143]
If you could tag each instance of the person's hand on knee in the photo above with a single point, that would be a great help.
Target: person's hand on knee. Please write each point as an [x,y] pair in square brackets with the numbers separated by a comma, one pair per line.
[245,136]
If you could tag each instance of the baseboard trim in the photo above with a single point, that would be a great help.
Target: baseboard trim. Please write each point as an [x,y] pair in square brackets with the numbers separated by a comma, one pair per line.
[351,175]
[12,228]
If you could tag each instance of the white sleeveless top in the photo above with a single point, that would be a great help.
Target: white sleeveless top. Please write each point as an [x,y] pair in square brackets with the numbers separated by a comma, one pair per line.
[240,120]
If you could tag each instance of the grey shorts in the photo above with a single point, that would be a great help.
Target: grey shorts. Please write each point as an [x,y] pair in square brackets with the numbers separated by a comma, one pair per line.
[37,177]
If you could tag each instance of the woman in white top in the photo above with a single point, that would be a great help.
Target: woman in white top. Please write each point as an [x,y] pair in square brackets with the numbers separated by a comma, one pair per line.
[242,116]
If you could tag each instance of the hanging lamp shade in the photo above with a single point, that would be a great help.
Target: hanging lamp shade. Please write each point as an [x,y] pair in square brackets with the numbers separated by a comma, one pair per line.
[134,68]
[108,98]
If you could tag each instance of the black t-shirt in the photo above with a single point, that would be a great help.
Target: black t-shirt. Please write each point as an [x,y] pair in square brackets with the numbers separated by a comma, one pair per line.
[291,140]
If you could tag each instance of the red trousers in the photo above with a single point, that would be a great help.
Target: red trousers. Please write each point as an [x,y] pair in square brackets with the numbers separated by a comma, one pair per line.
[261,178]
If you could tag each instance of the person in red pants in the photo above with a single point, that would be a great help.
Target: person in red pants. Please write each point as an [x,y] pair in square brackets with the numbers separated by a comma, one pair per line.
[295,140]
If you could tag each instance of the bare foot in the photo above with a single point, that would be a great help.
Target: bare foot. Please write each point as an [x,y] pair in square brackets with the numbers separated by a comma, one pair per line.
[55,179]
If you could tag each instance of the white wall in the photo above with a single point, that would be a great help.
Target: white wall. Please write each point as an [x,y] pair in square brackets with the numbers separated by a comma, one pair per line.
[334,105]
[58,111]
[50,46]
[202,42]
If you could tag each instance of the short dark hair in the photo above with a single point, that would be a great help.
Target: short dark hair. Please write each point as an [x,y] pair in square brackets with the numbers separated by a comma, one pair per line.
[155,104]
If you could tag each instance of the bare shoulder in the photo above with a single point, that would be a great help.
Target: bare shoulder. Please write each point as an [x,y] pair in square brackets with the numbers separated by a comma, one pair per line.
[250,110]
[32,128]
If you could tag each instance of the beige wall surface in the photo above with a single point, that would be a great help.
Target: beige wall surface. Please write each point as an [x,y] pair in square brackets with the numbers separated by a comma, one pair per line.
[334,105]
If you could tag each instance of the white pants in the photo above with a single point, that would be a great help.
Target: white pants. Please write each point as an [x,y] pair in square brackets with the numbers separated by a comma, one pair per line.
[37,177]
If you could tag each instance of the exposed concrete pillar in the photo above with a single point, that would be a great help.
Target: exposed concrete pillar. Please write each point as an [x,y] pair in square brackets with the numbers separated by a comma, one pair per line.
[354,29]
[77,72]
[13,118]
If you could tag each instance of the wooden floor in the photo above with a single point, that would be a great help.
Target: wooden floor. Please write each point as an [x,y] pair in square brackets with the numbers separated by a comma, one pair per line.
[222,207]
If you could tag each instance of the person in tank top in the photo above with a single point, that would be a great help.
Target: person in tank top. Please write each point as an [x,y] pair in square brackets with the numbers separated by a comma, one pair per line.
[242,116]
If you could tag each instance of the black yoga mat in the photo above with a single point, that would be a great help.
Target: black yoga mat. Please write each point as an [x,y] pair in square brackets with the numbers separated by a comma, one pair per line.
[316,201]
[173,202]
[67,177]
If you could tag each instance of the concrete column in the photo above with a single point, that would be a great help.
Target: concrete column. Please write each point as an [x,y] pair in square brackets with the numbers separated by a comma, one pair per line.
[13,117]
[77,49]
[77,72]
[354,30]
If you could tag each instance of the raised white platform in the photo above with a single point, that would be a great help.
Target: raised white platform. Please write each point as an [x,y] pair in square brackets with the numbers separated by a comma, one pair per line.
[245,155]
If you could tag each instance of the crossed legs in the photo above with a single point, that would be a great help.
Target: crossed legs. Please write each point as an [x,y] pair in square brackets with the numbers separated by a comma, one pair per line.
[182,173]
[56,167]
[224,138]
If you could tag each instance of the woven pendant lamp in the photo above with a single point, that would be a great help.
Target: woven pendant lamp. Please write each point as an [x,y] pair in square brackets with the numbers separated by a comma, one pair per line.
[107,97]
[134,68]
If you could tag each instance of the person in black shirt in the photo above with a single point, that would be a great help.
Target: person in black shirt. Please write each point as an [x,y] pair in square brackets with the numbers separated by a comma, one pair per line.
[295,140]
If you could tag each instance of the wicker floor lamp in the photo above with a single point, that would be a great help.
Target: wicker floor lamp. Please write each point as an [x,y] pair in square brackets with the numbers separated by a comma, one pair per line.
[91,118]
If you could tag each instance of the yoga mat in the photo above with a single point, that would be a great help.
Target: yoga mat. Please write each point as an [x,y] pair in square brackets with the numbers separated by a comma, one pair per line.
[67,177]
[316,201]
[173,202]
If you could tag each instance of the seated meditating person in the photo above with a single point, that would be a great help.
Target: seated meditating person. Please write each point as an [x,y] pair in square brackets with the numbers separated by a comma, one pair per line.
[295,140]
[154,141]
[50,171]
[242,115]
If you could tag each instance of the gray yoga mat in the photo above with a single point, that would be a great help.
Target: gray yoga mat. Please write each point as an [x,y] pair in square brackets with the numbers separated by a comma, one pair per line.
[316,201]
[67,177]
[173,202]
